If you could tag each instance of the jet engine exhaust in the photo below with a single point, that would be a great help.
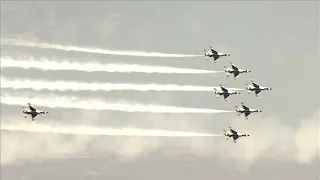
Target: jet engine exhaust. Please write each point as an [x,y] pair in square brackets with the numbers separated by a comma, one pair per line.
[98,131]
[76,103]
[89,50]
[38,85]
[50,65]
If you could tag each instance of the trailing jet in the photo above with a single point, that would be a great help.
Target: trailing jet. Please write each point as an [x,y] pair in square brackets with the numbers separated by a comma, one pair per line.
[225,92]
[234,134]
[247,111]
[234,70]
[256,88]
[32,111]
[215,54]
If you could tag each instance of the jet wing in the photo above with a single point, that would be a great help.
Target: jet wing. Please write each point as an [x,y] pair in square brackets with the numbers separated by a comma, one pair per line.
[234,67]
[257,91]
[254,84]
[235,138]
[247,113]
[245,107]
[215,57]
[233,131]
[235,73]
[33,116]
[31,108]
[226,96]
[223,89]
[213,51]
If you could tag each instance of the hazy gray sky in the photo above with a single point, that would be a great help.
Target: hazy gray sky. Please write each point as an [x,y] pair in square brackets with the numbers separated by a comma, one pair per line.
[278,42]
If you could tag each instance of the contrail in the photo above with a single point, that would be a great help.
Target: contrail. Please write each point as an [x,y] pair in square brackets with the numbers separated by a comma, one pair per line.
[45,64]
[97,131]
[89,50]
[74,102]
[39,85]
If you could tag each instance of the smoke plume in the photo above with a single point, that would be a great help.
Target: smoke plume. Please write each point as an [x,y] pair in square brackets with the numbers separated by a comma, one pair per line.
[38,85]
[90,50]
[76,103]
[65,65]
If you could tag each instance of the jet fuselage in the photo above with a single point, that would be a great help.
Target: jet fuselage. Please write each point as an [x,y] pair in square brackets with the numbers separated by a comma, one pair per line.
[27,111]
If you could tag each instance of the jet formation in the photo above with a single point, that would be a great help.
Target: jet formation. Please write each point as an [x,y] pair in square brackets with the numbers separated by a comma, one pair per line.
[221,91]
[225,92]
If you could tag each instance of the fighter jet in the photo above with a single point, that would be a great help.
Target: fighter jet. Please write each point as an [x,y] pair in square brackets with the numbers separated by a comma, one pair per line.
[234,134]
[247,111]
[224,91]
[215,54]
[256,88]
[234,70]
[32,111]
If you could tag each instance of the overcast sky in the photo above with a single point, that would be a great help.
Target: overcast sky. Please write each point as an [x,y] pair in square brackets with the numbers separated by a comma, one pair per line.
[278,42]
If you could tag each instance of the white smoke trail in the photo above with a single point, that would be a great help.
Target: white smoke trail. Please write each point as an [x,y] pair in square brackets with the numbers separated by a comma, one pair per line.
[45,64]
[73,102]
[89,50]
[39,85]
[97,131]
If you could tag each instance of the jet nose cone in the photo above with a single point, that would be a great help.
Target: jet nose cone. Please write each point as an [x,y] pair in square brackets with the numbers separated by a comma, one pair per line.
[228,54]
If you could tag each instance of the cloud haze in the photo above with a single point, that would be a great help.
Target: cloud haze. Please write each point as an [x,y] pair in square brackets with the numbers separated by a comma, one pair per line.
[269,138]
[278,42]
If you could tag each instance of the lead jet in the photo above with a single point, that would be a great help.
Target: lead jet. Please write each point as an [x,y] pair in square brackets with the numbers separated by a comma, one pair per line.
[234,70]
[215,54]
[225,92]
[234,134]
[256,88]
[32,111]
[247,111]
